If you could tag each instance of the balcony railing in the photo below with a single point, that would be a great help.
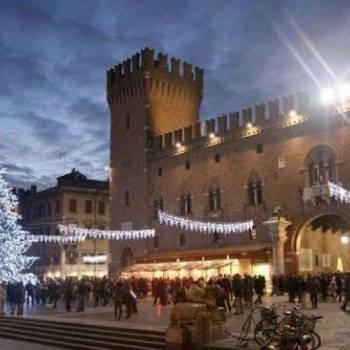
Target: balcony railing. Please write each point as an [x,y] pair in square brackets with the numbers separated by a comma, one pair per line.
[316,192]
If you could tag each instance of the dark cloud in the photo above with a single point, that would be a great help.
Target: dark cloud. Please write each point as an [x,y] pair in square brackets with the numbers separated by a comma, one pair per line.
[54,54]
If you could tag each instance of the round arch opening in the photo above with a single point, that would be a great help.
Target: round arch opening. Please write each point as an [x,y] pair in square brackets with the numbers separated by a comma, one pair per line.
[321,246]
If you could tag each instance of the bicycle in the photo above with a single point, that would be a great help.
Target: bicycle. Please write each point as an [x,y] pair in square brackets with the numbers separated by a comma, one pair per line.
[290,338]
[293,318]
[269,319]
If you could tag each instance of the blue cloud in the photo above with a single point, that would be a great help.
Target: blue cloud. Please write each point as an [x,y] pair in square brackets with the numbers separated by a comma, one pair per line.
[54,54]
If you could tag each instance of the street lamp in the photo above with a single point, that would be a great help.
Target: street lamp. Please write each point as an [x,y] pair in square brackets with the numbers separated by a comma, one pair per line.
[327,96]
[339,93]
[344,239]
[293,113]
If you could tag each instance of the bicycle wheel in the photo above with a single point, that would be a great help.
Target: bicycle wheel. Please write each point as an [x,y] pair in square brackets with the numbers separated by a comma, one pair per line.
[270,337]
[310,345]
[317,340]
[245,330]
[259,331]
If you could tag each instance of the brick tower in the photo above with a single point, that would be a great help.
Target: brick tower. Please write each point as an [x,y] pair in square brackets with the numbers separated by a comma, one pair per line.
[146,98]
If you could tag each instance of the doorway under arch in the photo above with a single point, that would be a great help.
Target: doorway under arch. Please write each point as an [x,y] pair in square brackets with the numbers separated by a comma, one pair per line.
[320,247]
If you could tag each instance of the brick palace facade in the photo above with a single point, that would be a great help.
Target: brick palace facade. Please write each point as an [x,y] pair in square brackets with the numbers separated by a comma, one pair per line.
[270,163]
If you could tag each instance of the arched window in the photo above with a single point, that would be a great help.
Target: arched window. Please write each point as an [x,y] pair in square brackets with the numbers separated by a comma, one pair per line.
[182,239]
[255,195]
[321,166]
[214,199]
[158,204]
[185,204]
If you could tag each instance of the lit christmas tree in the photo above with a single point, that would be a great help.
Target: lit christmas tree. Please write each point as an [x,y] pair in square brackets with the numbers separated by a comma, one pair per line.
[13,240]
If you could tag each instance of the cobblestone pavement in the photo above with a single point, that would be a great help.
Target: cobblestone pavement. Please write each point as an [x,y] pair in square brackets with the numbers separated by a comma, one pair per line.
[334,328]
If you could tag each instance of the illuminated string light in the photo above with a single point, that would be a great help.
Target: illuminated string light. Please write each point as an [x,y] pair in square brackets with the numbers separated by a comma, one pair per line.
[79,232]
[55,239]
[95,259]
[339,193]
[204,227]
[73,234]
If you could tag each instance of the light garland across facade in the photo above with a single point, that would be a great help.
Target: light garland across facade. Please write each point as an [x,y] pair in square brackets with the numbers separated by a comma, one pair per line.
[72,234]
[339,193]
[95,259]
[55,239]
[72,230]
[204,227]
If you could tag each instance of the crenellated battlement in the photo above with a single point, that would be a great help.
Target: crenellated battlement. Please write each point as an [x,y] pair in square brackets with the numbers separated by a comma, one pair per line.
[147,61]
[172,90]
[250,121]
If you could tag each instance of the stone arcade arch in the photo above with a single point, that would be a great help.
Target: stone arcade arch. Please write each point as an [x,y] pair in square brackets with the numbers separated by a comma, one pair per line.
[318,246]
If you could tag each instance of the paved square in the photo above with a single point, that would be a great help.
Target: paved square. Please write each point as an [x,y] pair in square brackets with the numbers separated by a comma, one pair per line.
[334,328]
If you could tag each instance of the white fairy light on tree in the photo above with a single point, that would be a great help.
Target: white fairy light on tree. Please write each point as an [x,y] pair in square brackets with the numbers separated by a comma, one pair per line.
[13,239]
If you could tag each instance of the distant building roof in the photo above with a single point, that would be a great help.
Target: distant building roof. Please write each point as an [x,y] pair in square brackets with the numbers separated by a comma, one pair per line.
[74,179]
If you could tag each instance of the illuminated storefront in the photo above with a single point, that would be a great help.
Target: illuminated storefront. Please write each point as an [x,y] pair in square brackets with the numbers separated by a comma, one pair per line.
[203,263]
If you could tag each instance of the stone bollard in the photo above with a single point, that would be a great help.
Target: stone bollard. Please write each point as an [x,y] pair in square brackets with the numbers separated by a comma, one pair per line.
[178,338]
[202,329]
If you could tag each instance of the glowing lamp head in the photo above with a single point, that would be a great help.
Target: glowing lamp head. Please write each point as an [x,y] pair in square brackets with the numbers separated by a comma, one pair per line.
[106,168]
[293,114]
[344,239]
[249,125]
[178,145]
[327,96]
[343,92]
[212,135]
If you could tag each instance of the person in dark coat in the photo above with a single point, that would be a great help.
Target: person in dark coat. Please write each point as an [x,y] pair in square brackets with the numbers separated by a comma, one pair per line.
[259,287]
[30,293]
[19,297]
[9,296]
[339,284]
[313,287]
[225,284]
[248,290]
[68,292]
[238,293]
[130,301]
[119,298]
[346,292]
[82,293]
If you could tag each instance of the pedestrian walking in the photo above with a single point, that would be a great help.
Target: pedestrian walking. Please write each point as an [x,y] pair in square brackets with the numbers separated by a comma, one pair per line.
[346,292]
[314,290]
[2,299]
[238,293]
[119,299]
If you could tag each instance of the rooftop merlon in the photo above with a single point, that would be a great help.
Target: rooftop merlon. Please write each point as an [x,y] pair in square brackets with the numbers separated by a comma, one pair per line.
[147,60]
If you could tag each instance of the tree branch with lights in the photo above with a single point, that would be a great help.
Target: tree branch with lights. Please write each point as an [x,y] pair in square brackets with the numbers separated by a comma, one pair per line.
[14,242]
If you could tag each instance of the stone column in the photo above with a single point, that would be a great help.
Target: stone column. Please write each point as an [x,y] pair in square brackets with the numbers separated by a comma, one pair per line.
[277,230]
[63,262]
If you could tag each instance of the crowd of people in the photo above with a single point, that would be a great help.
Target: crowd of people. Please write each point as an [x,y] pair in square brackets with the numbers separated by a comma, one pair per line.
[237,292]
